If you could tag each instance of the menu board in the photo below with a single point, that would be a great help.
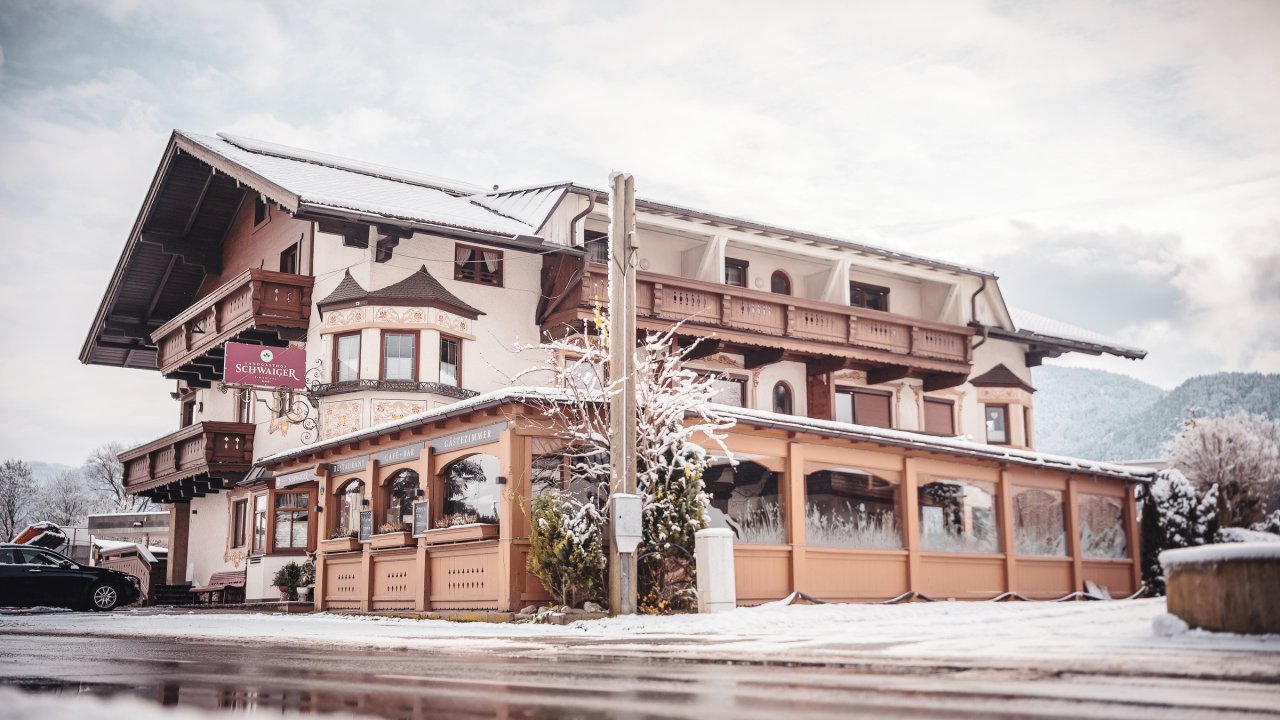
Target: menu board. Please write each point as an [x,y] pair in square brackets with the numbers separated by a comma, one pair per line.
[366,525]
[421,517]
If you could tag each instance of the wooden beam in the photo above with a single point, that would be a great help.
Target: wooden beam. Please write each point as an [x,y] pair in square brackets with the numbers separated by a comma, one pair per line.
[886,373]
[753,359]
[942,381]
[824,364]
[700,348]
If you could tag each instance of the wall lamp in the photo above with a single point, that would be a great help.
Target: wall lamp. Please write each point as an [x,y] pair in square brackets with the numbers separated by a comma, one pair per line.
[364,502]
[420,493]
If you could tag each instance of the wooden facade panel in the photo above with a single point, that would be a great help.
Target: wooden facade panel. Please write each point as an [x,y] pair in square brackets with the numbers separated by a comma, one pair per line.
[761,573]
[529,588]
[1115,575]
[465,576]
[393,579]
[1044,578]
[852,575]
[963,577]
[344,582]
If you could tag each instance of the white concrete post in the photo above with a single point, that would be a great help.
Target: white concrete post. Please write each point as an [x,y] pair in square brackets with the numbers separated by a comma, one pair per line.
[713,551]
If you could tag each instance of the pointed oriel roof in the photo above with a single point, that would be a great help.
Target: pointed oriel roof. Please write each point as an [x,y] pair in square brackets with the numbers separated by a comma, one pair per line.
[1000,376]
[420,288]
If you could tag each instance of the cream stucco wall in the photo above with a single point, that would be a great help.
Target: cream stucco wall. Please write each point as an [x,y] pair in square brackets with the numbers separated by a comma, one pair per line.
[207,547]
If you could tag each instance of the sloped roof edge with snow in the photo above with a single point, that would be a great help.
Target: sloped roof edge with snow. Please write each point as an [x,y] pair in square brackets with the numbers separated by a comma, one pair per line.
[1033,326]
[830,428]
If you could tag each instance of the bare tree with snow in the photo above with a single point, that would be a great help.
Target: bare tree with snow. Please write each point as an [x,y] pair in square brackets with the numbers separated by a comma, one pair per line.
[17,488]
[1240,453]
[675,417]
[64,500]
[104,475]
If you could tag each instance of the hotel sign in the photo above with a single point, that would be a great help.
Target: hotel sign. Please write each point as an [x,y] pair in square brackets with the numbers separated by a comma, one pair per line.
[268,367]
[350,465]
[468,438]
[404,453]
[295,478]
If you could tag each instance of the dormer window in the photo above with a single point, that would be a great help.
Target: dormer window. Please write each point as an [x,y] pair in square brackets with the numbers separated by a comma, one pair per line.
[871,297]
[477,265]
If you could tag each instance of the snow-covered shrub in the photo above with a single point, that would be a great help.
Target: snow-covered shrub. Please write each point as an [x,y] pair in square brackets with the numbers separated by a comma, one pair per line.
[1173,517]
[565,551]
[1271,524]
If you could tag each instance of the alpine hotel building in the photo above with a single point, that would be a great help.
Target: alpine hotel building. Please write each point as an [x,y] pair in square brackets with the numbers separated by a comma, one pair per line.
[885,431]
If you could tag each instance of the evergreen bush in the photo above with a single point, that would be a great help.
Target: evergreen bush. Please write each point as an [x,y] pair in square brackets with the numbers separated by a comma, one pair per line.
[565,552]
[1173,516]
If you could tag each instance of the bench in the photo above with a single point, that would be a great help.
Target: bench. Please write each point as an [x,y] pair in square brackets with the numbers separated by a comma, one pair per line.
[223,585]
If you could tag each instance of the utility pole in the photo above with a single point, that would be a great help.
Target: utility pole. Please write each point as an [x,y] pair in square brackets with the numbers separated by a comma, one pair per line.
[625,521]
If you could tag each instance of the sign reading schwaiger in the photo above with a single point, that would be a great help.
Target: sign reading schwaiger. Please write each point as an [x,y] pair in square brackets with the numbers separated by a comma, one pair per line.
[269,367]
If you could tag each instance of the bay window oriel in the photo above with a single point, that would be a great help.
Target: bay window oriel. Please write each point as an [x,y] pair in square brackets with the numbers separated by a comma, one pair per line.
[346,357]
[450,361]
[400,356]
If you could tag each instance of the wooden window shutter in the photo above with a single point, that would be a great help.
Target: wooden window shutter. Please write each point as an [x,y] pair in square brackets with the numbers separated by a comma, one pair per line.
[872,409]
[938,417]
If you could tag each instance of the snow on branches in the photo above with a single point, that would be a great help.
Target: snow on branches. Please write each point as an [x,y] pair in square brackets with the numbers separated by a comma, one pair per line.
[1174,515]
[1240,454]
[676,422]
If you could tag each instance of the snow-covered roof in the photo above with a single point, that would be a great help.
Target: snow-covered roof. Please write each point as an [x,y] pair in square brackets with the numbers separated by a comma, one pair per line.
[1033,326]
[146,552]
[830,428]
[531,205]
[302,179]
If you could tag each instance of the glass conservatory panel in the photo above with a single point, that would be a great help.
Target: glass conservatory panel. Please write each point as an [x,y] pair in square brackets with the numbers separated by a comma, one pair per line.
[402,492]
[1102,527]
[745,500]
[471,491]
[852,507]
[958,515]
[1038,524]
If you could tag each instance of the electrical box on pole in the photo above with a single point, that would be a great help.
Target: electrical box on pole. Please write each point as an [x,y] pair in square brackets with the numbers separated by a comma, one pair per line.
[622,383]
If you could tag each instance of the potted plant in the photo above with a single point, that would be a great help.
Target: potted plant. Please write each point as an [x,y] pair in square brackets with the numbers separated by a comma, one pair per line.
[391,534]
[286,580]
[307,578]
[341,541]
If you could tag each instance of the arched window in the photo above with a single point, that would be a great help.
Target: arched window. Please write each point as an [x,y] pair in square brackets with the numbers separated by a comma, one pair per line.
[402,492]
[470,491]
[782,398]
[780,283]
[347,520]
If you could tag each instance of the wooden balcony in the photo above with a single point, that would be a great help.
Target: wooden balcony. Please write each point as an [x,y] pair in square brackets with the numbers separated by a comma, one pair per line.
[257,306]
[196,460]
[767,327]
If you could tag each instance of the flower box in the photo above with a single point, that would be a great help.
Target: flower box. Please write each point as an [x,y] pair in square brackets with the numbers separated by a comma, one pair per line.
[337,545]
[390,540]
[460,533]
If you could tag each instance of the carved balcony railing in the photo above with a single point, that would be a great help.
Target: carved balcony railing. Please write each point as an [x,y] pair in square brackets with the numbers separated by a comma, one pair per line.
[752,318]
[200,458]
[257,306]
[435,388]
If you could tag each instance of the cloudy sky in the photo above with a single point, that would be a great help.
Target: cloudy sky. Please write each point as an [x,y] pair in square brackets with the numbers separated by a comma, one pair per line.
[1118,163]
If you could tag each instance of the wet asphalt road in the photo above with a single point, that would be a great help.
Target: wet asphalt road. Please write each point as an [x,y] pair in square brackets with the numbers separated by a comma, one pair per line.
[416,684]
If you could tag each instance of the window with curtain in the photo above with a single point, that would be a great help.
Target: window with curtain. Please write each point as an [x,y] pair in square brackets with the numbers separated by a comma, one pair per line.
[782,399]
[730,389]
[399,356]
[997,421]
[958,515]
[347,520]
[346,357]
[239,519]
[745,499]
[291,520]
[402,492]
[1038,524]
[450,361]
[477,265]
[852,507]
[735,272]
[471,491]
[259,524]
[1102,532]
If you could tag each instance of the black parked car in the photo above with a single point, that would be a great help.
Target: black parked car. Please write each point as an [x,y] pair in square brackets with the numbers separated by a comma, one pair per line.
[33,576]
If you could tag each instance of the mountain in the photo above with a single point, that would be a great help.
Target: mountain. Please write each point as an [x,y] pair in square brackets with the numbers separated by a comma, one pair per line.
[43,472]
[1107,416]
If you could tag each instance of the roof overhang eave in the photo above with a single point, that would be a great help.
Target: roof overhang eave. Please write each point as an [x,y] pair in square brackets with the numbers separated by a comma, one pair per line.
[527,243]
[1069,345]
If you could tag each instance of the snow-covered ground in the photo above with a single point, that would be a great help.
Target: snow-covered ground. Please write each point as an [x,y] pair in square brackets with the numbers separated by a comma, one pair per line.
[1081,632]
